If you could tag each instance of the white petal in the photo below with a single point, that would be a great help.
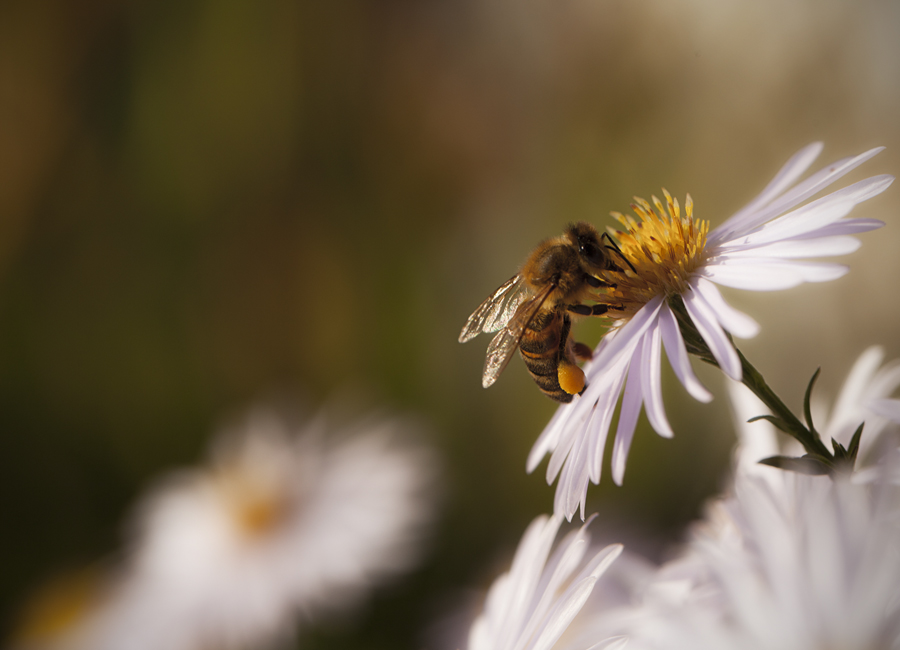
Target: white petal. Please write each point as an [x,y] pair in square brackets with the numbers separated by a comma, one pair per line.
[612,643]
[628,416]
[629,333]
[798,248]
[792,170]
[573,482]
[850,227]
[568,439]
[527,565]
[566,609]
[886,408]
[602,560]
[848,409]
[549,437]
[762,274]
[707,324]
[806,220]
[678,356]
[756,440]
[749,221]
[598,429]
[736,322]
[565,560]
[651,384]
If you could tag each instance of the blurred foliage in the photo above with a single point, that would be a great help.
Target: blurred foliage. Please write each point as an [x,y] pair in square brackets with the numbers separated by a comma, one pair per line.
[203,202]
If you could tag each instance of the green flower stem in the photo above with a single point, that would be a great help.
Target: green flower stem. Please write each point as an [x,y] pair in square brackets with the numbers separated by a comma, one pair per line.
[752,379]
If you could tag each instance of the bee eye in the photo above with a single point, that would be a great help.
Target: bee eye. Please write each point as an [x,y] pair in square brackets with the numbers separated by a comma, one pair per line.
[591,252]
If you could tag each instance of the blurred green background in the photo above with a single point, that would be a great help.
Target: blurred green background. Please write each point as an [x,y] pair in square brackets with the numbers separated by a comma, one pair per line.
[203,202]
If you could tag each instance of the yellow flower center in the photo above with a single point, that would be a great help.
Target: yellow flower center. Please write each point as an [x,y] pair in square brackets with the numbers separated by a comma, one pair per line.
[257,504]
[663,247]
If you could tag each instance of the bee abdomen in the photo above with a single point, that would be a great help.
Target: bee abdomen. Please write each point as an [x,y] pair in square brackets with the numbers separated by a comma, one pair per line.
[541,357]
[539,347]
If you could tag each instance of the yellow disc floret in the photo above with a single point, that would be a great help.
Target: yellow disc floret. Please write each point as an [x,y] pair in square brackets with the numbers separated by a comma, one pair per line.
[664,247]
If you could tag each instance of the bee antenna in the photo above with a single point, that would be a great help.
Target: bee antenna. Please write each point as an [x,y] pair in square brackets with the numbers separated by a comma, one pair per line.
[613,246]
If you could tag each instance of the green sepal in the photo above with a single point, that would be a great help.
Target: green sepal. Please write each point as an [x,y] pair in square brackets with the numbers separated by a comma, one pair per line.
[848,455]
[840,454]
[853,450]
[776,421]
[807,413]
[811,464]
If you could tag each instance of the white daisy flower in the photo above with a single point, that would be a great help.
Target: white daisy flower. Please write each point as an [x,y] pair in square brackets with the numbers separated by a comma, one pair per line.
[677,264]
[812,565]
[278,525]
[864,397]
[531,606]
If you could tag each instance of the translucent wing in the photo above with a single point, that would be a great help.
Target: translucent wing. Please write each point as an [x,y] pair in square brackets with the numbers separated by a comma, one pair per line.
[503,345]
[497,310]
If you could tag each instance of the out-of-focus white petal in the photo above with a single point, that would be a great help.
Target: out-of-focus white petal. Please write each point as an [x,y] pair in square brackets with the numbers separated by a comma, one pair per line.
[279,523]
[756,440]
[887,408]
[563,613]
[862,399]
[614,643]
[532,610]
[801,563]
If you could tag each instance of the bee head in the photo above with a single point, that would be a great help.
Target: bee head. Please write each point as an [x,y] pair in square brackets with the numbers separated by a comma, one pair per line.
[584,238]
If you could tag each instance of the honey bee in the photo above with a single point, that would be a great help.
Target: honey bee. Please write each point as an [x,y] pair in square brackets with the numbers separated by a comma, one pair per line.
[533,310]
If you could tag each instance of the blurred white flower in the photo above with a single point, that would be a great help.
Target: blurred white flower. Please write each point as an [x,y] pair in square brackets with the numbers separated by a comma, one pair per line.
[863,398]
[787,561]
[280,524]
[676,261]
[814,565]
[531,606]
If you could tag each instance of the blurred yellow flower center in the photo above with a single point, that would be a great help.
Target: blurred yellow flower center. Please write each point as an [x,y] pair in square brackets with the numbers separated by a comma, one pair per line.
[664,248]
[257,507]
[256,516]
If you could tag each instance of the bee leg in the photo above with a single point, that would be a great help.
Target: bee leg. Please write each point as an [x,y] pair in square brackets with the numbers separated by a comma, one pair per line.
[597,282]
[582,351]
[581,310]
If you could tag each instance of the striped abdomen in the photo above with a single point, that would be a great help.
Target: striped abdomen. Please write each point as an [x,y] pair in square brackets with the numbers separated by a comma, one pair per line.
[542,347]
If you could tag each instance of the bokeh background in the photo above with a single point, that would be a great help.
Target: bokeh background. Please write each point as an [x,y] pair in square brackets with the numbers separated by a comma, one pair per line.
[205,202]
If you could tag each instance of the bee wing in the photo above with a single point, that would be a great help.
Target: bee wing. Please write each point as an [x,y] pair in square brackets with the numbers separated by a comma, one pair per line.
[503,345]
[497,310]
